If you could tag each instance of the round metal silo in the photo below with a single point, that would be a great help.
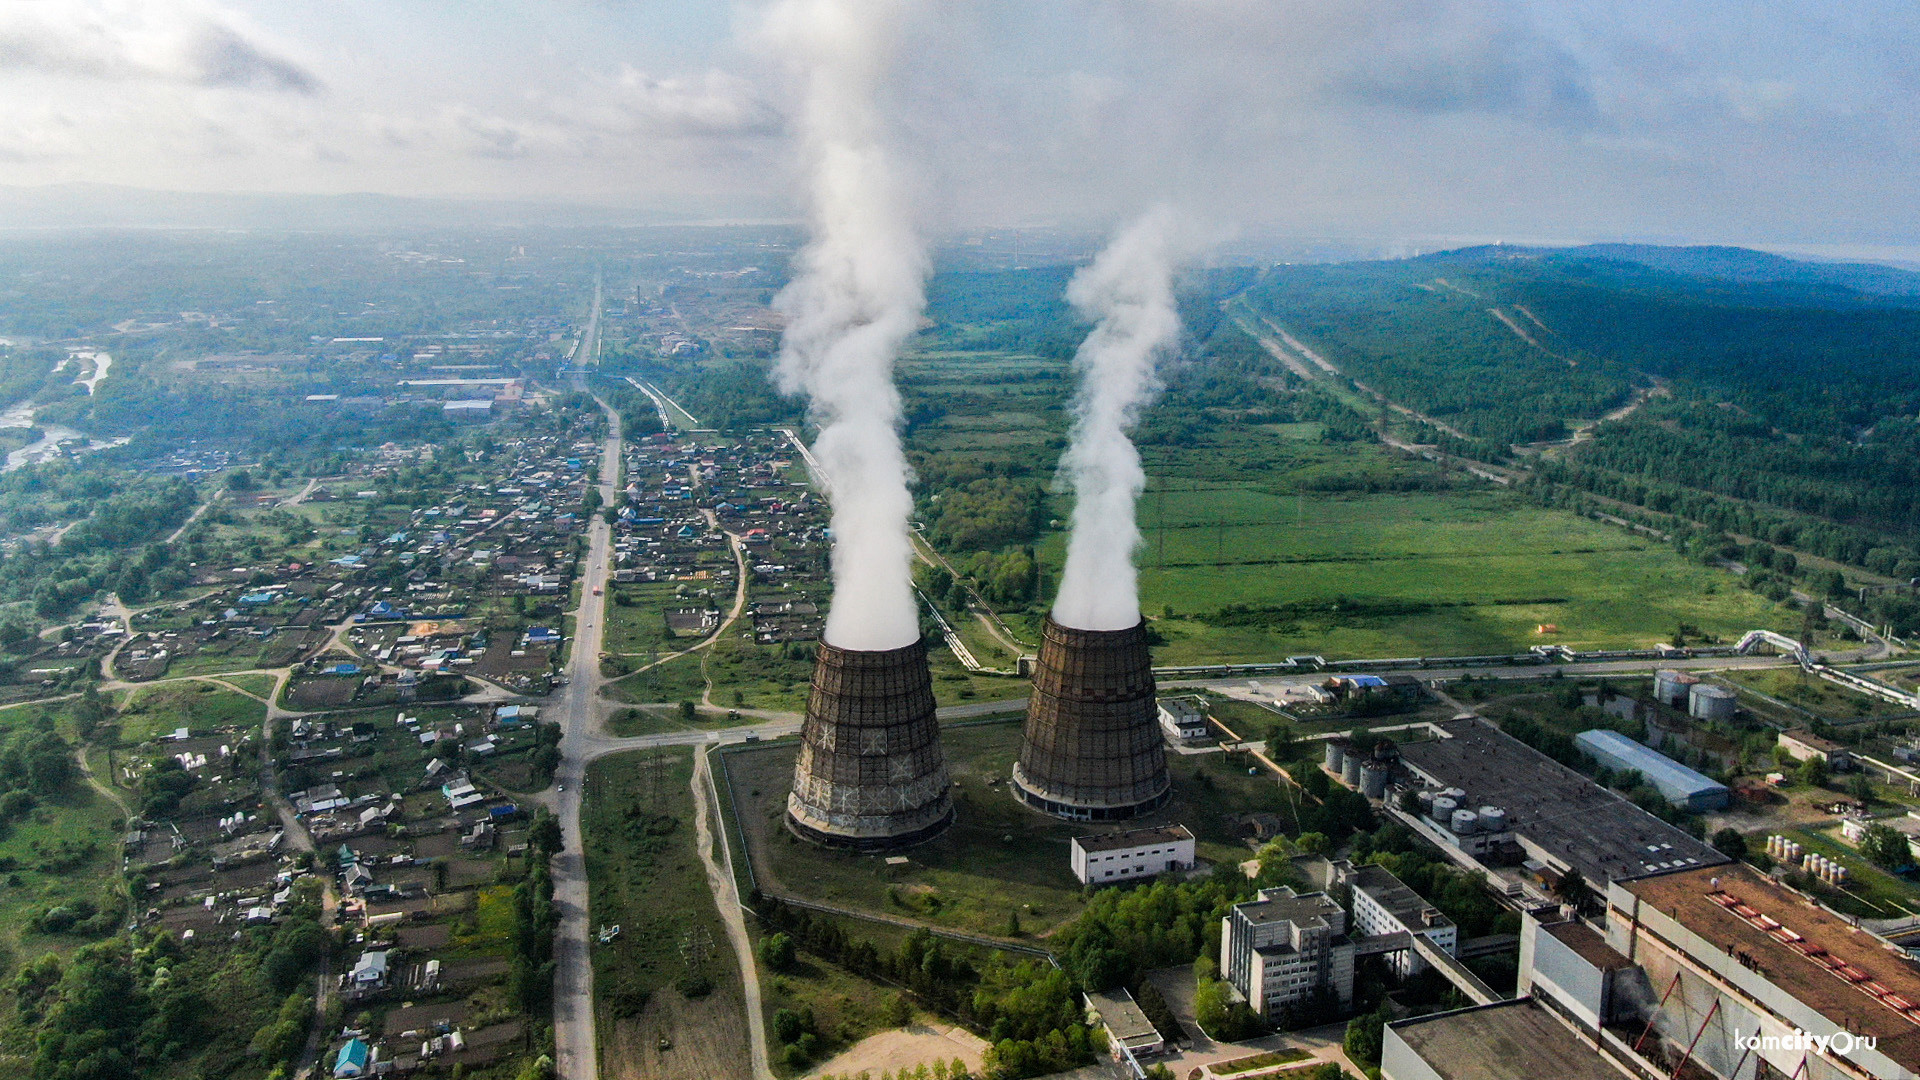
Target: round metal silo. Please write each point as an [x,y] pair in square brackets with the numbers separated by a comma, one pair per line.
[1373,779]
[1708,702]
[1350,769]
[1463,822]
[1336,754]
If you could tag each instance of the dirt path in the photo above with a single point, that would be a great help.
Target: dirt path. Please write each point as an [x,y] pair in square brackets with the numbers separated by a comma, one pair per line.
[726,896]
[198,511]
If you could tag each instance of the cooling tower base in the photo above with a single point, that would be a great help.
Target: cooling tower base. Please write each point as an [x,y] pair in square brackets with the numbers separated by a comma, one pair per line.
[825,835]
[1075,812]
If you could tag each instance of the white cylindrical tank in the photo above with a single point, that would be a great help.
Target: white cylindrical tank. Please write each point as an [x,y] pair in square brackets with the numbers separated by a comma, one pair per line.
[1463,822]
[1493,819]
[1373,779]
[1708,702]
[1425,796]
[1443,808]
[1456,794]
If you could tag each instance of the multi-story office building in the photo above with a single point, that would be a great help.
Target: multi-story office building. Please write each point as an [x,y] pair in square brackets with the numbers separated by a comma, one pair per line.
[1282,949]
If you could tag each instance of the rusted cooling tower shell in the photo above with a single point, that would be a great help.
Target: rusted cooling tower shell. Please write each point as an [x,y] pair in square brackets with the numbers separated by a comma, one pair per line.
[1092,749]
[870,773]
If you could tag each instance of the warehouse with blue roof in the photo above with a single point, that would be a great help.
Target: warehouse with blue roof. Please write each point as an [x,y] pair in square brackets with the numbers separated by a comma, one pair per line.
[1680,785]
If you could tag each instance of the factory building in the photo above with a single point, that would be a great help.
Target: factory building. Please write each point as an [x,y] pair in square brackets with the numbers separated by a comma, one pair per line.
[1676,783]
[1282,950]
[871,774]
[1092,748]
[1559,819]
[1734,971]
[1184,719]
[1508,1040]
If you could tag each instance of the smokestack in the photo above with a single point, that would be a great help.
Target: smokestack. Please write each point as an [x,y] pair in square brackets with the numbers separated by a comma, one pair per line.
[1092,749]
[871,775]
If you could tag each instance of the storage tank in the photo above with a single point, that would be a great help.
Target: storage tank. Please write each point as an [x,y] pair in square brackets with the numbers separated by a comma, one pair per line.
[1670,687]
[1463,822]
[1456,794]
[1708,702]
[1493,819]
[1443,808]
[1336,755]
[1373,779]
[1350,770]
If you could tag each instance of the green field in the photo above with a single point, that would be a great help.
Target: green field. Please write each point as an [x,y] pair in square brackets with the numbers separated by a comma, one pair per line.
[192,704]
[646,877]
[999,858]
[1481,570]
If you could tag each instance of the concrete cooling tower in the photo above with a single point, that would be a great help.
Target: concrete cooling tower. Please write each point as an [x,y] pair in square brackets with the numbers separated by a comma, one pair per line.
[1092,749]
[871,774]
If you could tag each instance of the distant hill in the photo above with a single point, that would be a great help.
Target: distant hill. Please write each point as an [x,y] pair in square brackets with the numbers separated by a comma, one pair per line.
[107,206]
[1732,264]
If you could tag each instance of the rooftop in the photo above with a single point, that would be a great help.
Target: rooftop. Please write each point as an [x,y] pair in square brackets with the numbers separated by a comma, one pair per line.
[1281,905]
[1587,944]
[1591,829]
[1400,901]
[1167,834]
[1511,1040]
[1122,1017]
[1674,780]
[1830,966]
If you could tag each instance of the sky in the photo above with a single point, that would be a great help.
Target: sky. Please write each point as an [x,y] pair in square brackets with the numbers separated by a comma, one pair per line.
[1780,123]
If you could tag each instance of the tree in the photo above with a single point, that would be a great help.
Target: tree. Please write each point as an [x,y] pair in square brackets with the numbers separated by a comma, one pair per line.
[777,953]
[1313,843]
[1364,1037]
[899,1011]
[1730,843]
[1885,846]
[1813,772]
[688,710]
[1573,889]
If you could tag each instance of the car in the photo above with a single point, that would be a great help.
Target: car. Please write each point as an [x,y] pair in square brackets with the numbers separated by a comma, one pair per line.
[752,736]
[597,591]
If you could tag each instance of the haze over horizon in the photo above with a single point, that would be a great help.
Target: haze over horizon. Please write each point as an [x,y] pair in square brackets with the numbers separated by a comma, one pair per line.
[1564,121]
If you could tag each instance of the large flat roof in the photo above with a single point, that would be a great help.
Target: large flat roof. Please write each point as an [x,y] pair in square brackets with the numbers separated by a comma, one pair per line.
[1168,834]
[1510,1040]
[1695,901]
[1586,826]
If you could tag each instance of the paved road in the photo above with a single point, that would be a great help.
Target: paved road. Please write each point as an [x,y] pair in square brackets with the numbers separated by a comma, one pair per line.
[577,707]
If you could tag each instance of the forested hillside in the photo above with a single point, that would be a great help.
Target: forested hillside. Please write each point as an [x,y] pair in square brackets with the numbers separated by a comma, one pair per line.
[1772,399]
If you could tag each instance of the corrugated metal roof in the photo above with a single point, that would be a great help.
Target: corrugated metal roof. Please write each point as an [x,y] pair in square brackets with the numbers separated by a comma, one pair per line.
[1674,780]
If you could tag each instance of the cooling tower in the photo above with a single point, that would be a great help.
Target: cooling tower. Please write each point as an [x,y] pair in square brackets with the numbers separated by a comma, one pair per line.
[870,774]
[1092,749]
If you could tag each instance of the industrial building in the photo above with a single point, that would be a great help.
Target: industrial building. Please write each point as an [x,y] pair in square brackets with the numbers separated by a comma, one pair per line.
[1282,950]
[1732,969]
[1384,905]
[1804,744]
[1555,816]
[871,774]
[1092,749]
[1508,1040]
[1130,856]
[1679,785]
[1184,719]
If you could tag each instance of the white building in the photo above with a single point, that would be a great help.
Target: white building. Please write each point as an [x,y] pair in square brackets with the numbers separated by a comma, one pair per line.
[1283,949]
[1382,905]
[1184,720]
[1142,853]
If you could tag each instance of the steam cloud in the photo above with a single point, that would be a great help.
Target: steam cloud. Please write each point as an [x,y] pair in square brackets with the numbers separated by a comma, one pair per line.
[1129,290]
[857,294]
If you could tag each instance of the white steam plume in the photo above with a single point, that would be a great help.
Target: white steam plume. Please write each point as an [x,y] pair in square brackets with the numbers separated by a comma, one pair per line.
[857,294]
[1128,288]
